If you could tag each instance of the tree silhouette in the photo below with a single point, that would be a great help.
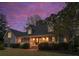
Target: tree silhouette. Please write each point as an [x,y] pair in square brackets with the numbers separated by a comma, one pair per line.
[2,26]
[33,19]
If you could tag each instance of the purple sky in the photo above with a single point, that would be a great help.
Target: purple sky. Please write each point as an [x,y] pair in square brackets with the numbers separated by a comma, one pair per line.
[17,13]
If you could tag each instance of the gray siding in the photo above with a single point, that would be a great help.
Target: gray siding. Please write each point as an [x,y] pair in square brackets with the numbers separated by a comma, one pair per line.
[12,40]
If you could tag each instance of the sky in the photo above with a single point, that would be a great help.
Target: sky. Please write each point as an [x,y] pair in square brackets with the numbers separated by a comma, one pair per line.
[17,12]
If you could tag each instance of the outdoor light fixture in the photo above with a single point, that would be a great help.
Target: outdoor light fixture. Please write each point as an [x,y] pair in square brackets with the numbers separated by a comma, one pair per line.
[43,38]
[47,38]
[33,39]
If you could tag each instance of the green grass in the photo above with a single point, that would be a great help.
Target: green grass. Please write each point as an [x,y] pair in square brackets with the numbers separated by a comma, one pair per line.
[31,52]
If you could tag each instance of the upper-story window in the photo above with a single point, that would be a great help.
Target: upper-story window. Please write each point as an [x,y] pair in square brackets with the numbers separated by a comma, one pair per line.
[9,34]
[50,29]
[29,31]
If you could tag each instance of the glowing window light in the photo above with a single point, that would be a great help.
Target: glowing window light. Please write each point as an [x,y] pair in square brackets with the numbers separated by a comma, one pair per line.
[37,39]
[33,39]
[43,38]
[65,40]
[47,38]
[29,31]
[53,39]
[19,41]
[9,34]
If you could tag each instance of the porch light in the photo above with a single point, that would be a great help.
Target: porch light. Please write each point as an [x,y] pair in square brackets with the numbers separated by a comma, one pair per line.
[47,38]
[43,38]
[33,39]
[37,39]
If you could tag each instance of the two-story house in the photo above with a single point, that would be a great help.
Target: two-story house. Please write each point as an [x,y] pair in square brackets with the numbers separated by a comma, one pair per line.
[34,36]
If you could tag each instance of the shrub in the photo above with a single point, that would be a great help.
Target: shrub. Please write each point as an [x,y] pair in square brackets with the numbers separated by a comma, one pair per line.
[52,46]
[5,45]
[25,45]
[44,46]
[14,45]
[62,46]
[1,46]
[48,46]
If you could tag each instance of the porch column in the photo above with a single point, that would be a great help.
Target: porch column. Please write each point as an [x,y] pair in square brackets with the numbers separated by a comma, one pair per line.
[50,39]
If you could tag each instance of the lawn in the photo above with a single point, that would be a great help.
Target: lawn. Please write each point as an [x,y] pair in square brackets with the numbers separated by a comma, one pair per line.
[29,52]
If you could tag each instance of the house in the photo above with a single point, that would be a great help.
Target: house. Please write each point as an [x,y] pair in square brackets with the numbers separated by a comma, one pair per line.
[39,34]
[14,37]
[34,36]
[43,33]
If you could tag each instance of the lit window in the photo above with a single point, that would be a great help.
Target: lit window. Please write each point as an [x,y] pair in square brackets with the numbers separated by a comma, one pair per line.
[65,40]
[53,39]
[9,34]
[36,39]
[50,29]
[47,38]
[29,31]
[19,40]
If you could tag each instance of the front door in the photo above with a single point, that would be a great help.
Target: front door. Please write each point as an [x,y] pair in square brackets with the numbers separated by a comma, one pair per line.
[34,43]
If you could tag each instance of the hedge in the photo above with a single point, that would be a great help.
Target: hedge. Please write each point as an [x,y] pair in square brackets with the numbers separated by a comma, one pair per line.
[52,46]
[25,46]
[1,46]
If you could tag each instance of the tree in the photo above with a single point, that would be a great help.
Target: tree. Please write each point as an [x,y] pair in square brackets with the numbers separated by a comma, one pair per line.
[33,19]
[67,22]
[63,23]
[2,26]
[51,21]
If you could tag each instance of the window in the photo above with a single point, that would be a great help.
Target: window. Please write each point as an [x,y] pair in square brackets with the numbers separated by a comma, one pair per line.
[47,39]
[29,31]
[36,39]
[50,29]
[65,40]
[19,40]
[9,34]
[53,39]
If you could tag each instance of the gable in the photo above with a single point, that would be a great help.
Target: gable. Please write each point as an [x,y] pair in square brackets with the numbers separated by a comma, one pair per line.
[18,33]
[8,34]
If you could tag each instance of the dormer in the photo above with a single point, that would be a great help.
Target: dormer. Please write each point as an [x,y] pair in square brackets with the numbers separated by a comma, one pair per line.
[29,29]
[50,29]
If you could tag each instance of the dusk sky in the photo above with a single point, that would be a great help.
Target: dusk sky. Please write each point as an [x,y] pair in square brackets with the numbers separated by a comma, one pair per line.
[17,13]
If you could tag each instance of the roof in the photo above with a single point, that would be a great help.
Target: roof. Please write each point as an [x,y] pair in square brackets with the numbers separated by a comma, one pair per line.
[18,33]
[39,30]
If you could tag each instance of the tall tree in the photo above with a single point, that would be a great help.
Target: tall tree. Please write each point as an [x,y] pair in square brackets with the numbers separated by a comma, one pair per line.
[51,21]
[2,26]
[65,19]
[33,19]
